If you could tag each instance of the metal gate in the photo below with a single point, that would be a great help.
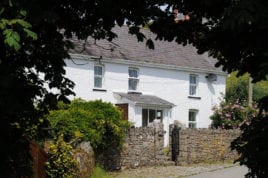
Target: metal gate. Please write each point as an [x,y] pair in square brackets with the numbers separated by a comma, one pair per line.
[175,143]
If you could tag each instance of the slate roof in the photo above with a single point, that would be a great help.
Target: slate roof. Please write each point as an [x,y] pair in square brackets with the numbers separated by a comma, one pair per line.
[140,99]
[127,47]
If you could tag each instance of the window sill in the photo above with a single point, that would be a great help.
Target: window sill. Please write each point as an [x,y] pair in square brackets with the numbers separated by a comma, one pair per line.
[134,92]
[195,97]
[99,89]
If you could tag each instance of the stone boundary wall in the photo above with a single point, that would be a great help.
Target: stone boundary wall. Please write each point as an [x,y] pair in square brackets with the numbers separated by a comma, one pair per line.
[205,145]
[144,146]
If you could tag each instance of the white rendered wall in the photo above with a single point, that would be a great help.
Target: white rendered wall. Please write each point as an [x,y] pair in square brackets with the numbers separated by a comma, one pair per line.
[171,85]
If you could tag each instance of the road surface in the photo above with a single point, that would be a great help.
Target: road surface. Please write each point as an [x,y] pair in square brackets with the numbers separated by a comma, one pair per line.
[232,172]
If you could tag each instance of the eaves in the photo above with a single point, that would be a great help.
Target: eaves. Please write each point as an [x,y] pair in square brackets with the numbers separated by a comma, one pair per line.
[145,64]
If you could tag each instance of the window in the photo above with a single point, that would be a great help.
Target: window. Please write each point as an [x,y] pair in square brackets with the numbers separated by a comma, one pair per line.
[192,118]
[133,79]
[98,76]
[149,115]
[193,85]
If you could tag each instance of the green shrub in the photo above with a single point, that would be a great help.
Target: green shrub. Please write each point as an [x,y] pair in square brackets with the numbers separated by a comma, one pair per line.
[95,121]
[61,162]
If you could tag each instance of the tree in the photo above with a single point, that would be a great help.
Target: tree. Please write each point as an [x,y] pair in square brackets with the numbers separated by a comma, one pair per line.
[234,32]
[237,88]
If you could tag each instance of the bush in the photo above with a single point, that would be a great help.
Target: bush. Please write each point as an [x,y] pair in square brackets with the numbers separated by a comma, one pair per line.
[232,115]
[95,121]
[61,162]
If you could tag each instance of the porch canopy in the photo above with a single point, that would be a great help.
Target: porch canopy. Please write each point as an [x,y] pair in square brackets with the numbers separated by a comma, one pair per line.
[146,100]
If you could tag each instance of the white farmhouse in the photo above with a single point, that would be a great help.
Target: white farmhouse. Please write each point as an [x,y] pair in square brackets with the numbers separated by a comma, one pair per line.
[171,82]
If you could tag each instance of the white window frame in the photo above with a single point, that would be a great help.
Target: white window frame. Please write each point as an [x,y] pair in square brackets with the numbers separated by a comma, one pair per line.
[192,123]
[99,76]
[133,78]
[193,87]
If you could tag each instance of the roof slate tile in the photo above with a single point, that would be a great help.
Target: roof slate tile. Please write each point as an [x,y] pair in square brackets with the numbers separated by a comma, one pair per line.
[127,47]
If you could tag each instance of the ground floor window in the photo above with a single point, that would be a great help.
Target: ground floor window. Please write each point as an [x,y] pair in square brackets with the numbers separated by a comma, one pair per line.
[192,118]
[149,115]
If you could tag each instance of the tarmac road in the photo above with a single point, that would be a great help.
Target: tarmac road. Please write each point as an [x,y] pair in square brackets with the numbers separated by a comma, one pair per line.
[232,172]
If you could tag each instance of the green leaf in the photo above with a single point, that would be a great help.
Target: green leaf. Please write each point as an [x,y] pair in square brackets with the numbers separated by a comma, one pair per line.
[2,10]
[3,23]
[12,39]
[23,12]
[10,3]
[30,33]
[23,23]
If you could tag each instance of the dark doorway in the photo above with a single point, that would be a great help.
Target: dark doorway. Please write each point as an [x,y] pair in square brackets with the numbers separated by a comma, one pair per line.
[124,109]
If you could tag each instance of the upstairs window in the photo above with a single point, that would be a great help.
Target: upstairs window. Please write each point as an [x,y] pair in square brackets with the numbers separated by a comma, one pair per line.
[98,76]
[193,84]
[192,118]
[133,79]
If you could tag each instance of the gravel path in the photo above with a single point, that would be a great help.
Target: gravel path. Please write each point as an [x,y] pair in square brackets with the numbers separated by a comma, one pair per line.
[169,171]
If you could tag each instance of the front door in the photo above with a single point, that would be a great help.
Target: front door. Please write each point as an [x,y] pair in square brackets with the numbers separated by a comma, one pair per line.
[124,109]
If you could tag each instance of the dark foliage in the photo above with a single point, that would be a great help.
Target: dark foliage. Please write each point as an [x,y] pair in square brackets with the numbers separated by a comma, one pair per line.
[234,32]
[253,146]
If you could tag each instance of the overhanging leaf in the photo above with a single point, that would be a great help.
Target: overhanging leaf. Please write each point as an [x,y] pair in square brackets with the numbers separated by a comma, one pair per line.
[12,38]
[10,3]
[30,33]
[23,12]
[23,23]
[3,23]
[2,10]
